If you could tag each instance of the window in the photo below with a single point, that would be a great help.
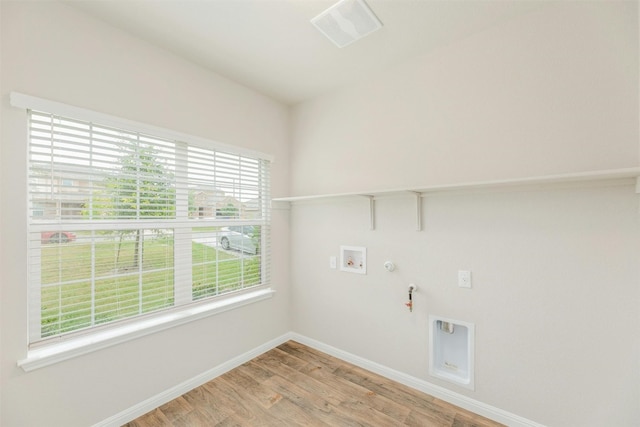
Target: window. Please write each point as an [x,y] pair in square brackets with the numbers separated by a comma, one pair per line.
[124,224]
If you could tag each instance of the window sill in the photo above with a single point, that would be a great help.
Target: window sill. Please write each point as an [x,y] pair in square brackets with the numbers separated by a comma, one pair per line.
[54,353]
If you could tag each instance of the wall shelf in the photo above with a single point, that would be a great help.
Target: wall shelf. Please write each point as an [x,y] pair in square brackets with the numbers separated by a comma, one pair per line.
[419,192]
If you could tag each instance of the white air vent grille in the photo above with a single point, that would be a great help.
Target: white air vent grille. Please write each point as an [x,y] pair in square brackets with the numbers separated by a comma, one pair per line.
[347,21]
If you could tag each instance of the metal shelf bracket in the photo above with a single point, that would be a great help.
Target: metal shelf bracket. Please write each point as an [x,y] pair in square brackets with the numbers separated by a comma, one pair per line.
[418,210]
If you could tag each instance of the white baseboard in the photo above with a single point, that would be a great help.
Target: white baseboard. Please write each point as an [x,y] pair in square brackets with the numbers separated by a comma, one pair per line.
[180,389]
[447,395]
[442,393]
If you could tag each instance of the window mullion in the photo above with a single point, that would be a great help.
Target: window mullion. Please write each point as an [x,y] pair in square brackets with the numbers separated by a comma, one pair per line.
[182,256]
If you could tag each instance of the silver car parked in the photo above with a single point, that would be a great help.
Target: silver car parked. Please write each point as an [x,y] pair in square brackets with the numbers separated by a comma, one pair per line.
[243,238]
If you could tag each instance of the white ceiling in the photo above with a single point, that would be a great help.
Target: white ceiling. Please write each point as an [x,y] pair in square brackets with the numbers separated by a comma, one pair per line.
[270,45]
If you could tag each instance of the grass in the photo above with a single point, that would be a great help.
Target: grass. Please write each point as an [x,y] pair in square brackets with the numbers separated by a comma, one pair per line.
[122,289]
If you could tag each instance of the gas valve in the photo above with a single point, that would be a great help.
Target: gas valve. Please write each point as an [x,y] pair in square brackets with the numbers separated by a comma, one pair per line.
[412,289]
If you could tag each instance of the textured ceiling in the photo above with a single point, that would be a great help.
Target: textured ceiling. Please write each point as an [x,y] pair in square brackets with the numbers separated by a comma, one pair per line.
[270,45]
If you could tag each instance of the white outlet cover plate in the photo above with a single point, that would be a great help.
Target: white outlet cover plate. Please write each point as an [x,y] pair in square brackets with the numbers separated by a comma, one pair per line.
[464,279]
[333,262]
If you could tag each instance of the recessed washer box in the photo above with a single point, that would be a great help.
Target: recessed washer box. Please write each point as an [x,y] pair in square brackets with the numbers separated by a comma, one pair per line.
[451,352]
[353,259]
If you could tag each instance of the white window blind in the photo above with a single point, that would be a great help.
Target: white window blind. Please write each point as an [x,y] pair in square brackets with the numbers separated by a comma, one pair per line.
[124,224]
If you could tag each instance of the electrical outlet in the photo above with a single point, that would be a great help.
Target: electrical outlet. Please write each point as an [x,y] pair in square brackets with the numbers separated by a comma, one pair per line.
[333,262]
[464,279]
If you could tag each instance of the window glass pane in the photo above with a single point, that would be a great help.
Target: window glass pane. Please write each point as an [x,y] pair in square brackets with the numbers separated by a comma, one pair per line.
[65,308]
[117,297]
[83,171]
[225,260]
[126,265]
[223,185]
[157,290]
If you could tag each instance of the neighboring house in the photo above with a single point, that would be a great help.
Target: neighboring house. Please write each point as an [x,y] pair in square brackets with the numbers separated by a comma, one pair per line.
[252,208]
[63,196]
[216,204]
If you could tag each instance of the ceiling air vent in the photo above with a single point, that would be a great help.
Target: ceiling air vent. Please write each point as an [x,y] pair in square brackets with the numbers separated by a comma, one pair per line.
[347,21]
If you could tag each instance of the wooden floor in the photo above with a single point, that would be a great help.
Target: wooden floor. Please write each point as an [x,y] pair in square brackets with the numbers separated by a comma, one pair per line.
[294,385]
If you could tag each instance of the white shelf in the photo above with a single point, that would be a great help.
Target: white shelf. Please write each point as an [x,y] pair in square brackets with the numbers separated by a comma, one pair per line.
[418,192]
[601,175]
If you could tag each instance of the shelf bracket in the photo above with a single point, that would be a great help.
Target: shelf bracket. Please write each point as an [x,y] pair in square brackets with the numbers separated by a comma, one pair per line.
[638,188]
[418,210]
[372,212]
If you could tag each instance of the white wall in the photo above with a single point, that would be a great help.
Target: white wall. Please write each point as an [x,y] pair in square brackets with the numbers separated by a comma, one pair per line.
[554,91]
[555,293]
[555,270]
[52,51]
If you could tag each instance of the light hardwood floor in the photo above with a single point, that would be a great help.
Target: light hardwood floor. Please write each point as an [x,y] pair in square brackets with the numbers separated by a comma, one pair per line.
[294,385]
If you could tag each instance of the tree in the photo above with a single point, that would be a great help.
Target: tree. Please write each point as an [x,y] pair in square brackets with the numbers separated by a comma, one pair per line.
[229,211]
[141,188]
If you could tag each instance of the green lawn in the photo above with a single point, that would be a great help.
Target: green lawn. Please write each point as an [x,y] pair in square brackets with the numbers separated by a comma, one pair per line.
[121,289]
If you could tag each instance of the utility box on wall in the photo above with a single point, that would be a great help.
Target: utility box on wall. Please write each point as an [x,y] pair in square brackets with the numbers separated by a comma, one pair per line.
[353,259]
[451,350]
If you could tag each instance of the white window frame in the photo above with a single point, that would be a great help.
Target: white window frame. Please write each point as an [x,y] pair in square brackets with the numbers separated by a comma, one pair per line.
[96,338]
